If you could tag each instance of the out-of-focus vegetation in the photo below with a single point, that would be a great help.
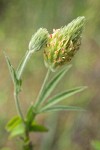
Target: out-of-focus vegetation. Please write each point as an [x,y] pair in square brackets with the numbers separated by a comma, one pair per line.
[18,21]
[96,145]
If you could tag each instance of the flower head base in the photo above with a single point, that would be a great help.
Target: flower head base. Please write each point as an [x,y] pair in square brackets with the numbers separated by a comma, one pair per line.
[63,44]
[38,40]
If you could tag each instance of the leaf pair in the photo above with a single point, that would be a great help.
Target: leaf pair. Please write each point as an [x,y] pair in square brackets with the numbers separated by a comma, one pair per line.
[52,84]
[59,97]
[16,127]
[48,107]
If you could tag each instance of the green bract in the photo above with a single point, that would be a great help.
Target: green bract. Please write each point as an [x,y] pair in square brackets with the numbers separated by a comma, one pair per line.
[63,44]
[38,40]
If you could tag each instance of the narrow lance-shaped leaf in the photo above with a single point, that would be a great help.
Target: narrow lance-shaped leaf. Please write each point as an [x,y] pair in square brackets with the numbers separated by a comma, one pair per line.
[17,83]
[61,108]
[37,128]
[52,84]
[11,69]
[59,97]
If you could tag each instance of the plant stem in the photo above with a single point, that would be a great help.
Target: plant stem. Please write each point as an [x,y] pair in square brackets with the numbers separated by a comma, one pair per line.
[38,101]
[22,65]
[18,105]
[27,143]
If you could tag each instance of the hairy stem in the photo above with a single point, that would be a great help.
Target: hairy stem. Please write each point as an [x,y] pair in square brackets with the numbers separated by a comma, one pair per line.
[27,143]
[23,63]
[18,105]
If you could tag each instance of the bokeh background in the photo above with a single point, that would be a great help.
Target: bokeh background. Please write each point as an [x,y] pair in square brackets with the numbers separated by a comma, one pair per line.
[19,19]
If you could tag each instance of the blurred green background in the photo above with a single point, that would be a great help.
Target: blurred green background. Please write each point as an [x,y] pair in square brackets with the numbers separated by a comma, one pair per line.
[19,19]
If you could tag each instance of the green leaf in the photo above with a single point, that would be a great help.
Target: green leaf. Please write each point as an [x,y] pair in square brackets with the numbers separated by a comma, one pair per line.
[11,69]
[96,145]
[15,126]
[30,115]
[52,84]
[17,83]
[37,128]
[59,97]
[13,123]
[18,130]
[32,126]
[61,108]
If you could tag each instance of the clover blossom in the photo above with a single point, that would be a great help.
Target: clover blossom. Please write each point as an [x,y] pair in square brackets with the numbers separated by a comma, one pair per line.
[63,44]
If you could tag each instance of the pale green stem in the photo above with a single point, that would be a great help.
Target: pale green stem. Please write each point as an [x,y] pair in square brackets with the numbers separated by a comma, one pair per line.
[18,106]
[19,71]
[23,63]
[38,101]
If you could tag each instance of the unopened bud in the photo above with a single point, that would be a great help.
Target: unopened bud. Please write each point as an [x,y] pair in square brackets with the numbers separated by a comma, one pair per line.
[38,40]
[63,44]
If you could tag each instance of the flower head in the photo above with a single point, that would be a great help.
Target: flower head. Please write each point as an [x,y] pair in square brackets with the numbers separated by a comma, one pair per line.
[38,40]
[63,44]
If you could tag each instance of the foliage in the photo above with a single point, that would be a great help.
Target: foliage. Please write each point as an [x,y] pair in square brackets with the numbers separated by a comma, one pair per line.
[22,126]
